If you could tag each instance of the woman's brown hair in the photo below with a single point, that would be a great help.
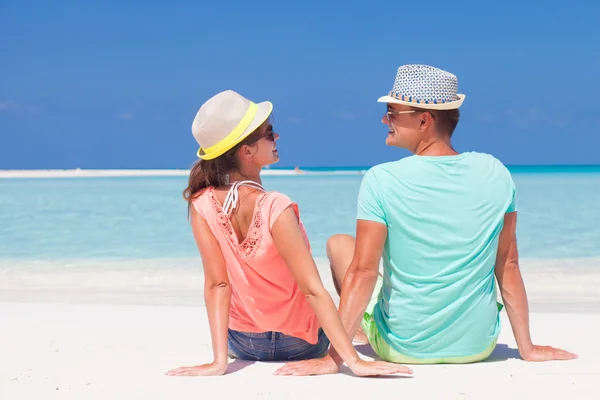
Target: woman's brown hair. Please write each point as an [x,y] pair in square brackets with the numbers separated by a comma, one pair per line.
[207,173]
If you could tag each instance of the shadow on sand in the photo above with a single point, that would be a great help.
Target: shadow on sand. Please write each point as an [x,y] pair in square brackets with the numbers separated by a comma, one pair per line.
[238,365]
[501,353]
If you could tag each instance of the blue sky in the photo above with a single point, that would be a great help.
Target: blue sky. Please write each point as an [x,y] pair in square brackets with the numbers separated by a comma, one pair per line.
[116,84]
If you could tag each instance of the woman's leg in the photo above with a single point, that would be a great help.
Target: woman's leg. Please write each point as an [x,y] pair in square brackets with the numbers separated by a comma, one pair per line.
[340,250]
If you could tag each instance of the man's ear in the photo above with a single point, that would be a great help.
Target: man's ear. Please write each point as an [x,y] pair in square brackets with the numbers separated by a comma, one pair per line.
[426,119]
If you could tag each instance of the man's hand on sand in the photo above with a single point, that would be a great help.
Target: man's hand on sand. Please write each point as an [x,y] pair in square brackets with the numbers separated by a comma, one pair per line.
[326,365]
[547,353]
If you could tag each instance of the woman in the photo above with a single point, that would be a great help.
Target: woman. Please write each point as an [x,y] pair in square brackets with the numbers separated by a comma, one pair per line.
[264,297]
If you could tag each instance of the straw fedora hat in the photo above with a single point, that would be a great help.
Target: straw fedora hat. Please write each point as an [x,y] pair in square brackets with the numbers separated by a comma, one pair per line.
[225,120]
[423,86]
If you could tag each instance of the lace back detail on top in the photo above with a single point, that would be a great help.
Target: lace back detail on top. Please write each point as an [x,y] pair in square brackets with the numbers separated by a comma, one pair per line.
[247,248]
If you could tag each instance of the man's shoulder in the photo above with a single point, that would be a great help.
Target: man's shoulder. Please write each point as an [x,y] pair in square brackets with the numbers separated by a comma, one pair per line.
[485,157]
[392,166]
[408,166]
[392,172]
[380,173]
[488,160]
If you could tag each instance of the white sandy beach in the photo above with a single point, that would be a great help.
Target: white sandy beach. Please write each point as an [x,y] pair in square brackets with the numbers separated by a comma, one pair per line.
[68,339]
[121,352]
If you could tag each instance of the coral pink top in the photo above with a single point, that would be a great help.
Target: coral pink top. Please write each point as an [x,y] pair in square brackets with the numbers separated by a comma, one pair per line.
[265,296]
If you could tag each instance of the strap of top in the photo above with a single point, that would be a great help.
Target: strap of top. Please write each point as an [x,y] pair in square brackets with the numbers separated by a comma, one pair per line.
[232,197]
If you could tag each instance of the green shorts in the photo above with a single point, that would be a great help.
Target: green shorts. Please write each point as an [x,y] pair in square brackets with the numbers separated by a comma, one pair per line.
[387,353]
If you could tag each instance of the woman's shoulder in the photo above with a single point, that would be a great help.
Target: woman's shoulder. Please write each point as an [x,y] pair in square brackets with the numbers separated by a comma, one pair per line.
[275,203]
[202,192]
[200,199]
[274,195]
[272,199]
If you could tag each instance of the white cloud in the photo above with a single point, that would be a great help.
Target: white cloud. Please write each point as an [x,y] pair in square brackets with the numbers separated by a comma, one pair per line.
[347,115]
[6,106]
[487,117]
[12,107]
[294,120]
[524,119]
[126,116]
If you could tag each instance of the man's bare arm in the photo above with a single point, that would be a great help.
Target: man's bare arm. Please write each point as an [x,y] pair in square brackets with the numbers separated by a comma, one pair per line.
[514,295]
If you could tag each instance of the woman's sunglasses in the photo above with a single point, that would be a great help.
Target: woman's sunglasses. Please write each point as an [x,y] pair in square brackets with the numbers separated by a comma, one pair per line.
[270,135]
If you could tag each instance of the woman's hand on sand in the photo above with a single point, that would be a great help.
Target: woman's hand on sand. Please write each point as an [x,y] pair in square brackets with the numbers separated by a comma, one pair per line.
[316,366]
[199,370]
[326,365]
[372,368]
[547,353]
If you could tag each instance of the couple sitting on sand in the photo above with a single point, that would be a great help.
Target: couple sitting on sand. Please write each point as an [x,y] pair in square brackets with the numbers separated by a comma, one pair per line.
[444,224]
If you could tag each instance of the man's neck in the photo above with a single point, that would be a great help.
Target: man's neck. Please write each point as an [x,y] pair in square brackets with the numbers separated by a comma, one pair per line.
[435,147]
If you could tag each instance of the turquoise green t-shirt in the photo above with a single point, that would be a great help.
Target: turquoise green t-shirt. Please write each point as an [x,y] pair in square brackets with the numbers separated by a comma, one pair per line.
[444,216]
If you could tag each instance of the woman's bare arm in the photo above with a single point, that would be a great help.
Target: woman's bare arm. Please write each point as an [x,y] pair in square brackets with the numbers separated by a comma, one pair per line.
[290,244]
[217,296]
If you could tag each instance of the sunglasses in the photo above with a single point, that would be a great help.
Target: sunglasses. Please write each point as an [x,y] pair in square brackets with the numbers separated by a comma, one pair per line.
[270,135]
[390,113]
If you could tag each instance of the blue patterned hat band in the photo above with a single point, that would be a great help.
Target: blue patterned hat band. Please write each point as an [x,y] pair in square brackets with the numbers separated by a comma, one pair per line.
[424,86]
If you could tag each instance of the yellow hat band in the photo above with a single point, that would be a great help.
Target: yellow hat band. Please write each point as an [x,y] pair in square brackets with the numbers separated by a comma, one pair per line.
[232,139]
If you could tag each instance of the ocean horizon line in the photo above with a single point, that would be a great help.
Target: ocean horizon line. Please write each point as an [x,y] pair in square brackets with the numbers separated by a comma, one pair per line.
[289,171]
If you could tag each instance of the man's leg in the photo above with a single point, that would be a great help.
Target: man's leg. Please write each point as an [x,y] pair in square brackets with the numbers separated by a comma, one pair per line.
[340,250]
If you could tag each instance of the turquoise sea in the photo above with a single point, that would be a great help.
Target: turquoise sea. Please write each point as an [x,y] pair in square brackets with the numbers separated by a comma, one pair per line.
[145,217]
[65,232]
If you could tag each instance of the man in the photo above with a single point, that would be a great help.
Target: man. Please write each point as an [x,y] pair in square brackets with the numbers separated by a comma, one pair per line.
[444,224]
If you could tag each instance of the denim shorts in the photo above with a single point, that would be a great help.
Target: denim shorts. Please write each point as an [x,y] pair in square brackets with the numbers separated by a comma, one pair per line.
[274,346]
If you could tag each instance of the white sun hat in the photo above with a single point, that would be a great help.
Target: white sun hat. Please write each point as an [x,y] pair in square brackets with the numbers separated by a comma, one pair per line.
[225,120]
[423,86]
